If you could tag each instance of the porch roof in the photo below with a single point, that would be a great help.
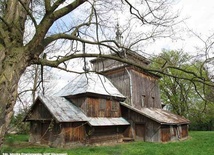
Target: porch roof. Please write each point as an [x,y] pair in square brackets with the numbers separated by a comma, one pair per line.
[62,109]
[159,115]
[106,121]
[65,111]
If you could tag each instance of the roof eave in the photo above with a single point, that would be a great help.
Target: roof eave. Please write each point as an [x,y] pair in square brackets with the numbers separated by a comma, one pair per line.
[30,109]
[179,123]
[162,123]
[49,110]
[90,94]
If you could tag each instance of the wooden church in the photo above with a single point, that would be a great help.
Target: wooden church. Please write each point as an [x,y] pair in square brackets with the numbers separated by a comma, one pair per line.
[114,103]
[120,104]
[142,107]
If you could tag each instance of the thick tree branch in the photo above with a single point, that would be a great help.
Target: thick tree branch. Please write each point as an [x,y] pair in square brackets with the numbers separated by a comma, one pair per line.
[52,38]
[47,6]
[65,10]
[185,71]
[56,63]
[56,5]
[35,46]
[26,8]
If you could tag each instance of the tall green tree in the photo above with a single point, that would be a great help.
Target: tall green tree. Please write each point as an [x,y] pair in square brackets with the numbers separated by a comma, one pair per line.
[181,94]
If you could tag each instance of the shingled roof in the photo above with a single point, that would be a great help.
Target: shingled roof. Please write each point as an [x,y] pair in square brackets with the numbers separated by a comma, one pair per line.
[63,110]
[107,121]
[159,115]
[90,83]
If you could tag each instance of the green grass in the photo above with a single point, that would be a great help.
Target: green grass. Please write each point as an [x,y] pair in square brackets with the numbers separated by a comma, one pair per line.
[200,143]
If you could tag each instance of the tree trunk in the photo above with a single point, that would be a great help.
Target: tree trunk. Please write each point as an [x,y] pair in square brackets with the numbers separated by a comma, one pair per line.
[12,67]
[14,56]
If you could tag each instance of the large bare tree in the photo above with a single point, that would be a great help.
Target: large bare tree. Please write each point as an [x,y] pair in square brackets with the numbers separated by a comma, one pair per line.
[30,28]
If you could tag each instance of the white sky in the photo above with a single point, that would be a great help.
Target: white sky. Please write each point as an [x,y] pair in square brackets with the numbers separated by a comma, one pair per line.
[200,19]
[200,14]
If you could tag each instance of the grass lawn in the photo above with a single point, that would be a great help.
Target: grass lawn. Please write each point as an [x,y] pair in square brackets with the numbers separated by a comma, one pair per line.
[199,143]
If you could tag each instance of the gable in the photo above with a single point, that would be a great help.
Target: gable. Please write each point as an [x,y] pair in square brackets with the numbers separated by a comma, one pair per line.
[91,84]
[63,110]
[59,108]
[103,64]
[38,111]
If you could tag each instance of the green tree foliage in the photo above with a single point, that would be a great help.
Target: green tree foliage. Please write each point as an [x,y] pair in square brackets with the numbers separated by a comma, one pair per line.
[17,125]
[180,93]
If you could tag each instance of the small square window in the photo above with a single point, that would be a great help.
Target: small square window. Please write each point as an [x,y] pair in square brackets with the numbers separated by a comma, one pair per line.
[114,106]
[143,100]
[153,101]
[102,104]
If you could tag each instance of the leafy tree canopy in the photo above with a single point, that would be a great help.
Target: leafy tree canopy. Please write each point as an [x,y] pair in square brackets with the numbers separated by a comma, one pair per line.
[188,98]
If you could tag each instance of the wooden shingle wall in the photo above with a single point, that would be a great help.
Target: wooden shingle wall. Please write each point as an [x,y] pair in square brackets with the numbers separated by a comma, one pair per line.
[98,107]
[142,128]
[39,112]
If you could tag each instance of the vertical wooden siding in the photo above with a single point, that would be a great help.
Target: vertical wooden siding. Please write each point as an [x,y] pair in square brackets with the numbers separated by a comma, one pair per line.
[79,102]
[35,132]
[39,112]
[165,133]
[73,132]
[173,132]
[101,65]
[140,131]
[145,89]
[106,64]
[106,134]
[45,132]
[95,109]
[121,81]
[40,132]
[184,131]
[151,128]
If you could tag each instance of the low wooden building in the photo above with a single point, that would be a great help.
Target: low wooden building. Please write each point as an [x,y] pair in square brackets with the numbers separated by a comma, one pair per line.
[154,124]
[121,106]
[86,111]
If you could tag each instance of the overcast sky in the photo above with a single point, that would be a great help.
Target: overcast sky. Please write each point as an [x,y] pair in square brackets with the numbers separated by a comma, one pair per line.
[200,14]
[200,19]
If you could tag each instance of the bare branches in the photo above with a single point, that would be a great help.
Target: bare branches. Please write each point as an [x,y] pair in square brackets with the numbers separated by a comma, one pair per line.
[154,13]
[184,71]
[137,14]
[26,8]
[52,38]
[93,27]
[204,50]
[34,46]
[195,78]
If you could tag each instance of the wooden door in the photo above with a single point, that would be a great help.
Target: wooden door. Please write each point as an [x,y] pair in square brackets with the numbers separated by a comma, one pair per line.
[45,133]
[140,131]
[165,134]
